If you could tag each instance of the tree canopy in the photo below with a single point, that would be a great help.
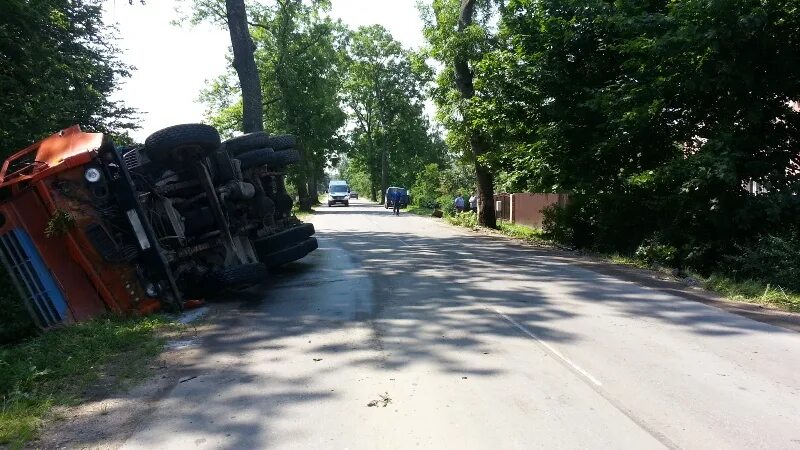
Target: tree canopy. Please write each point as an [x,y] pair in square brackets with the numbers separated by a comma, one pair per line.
[58,66]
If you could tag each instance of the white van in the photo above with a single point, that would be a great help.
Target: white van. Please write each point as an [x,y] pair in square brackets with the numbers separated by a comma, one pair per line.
[338,192]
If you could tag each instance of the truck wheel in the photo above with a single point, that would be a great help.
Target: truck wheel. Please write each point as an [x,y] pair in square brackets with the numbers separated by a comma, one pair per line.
[281,142]
[236,276]
[255,158]
[268,157]
[290,254]
[346,204]
[249,141]
[194,138]
[286,157]
[283,239]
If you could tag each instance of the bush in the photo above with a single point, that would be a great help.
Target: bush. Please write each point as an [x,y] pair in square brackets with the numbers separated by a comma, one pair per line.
[773,259]
[556,226]
[465,219]
[655,253]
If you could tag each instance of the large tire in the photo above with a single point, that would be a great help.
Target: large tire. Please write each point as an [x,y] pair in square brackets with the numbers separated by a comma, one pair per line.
[196,138]
[281,142]
[290,254]
[249,141]
[236,276]
[255,158]
[285,157]
[268,157]
[283,239]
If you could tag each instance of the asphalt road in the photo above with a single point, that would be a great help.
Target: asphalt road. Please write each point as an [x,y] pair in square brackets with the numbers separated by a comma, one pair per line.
[461,341]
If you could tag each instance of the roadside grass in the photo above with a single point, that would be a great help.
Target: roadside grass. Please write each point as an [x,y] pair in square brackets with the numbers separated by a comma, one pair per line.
[419,210]
[69,365]
[745,291]
[523,232]
[753,292]
[632,261]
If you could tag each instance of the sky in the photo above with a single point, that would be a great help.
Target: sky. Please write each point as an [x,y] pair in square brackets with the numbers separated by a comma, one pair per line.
[174,63]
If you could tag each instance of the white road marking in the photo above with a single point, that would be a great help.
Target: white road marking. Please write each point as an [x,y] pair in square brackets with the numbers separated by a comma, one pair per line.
[550,348]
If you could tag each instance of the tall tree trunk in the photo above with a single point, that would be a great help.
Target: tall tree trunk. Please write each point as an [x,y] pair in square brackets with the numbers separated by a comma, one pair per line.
[384,170]
[478,143]
[304,198]
[313,193]
[245,65]
[373,195]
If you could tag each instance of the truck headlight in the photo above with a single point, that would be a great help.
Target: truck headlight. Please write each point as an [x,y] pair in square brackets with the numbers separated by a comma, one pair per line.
[151,290]
[92,175]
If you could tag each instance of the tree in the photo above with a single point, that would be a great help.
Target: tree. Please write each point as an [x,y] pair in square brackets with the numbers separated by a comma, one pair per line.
[384,96]
[58,67]
[300,56]
[233,15]
[458,40]
[653,115]
[245,65]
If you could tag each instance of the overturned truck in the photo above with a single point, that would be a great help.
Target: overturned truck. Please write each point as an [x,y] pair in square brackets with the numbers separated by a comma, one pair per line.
[87,227]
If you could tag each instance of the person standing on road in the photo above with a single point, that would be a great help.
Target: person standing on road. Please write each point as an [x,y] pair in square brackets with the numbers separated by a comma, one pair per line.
[396,202]
[473,203]
[459,203]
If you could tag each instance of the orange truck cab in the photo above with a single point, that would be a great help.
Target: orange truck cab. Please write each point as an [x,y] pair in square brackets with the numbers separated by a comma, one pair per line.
[61,237]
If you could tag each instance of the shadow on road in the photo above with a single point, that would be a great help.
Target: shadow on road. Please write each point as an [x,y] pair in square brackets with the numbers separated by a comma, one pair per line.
[420,299]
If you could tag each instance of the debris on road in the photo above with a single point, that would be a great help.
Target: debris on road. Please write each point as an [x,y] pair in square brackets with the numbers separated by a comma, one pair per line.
[383,401]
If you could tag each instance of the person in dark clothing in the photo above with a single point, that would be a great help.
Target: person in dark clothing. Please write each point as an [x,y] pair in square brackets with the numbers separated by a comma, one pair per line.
[396,201]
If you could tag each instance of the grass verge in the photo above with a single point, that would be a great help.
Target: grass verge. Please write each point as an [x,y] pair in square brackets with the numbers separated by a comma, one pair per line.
[745,291]
[419,210]
[522,232]
[753,292]
[69,365]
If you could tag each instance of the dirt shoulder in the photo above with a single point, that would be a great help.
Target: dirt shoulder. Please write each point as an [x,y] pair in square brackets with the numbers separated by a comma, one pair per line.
[112,415]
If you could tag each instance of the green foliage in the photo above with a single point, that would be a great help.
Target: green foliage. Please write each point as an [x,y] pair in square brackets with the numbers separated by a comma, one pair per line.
[437,186]
[426,186]
[653,116]
[58,368]
[420,210]
[357,177]
[59,223]
[384,94]
[775,259]
[753,292]
[522,232]
[58,67]
[466,219]
[654,253]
